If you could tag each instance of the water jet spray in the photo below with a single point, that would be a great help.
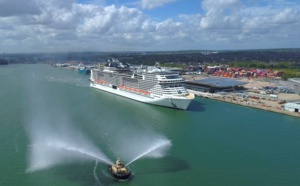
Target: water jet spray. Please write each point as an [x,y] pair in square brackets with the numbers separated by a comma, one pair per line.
[156,147]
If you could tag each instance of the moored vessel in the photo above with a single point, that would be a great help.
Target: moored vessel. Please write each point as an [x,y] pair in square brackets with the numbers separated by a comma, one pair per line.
[82,69]
[151,85]
[3,62]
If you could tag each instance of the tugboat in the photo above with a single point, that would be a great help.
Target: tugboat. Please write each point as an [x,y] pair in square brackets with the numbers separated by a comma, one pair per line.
[119,170]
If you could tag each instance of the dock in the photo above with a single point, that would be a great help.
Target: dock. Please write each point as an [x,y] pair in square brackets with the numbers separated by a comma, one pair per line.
[254,95]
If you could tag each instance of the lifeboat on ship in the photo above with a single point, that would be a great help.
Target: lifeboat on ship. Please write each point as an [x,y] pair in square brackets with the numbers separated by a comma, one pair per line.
[119,170]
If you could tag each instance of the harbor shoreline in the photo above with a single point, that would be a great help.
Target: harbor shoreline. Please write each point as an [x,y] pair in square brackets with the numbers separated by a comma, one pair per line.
[262,106]
[253,94]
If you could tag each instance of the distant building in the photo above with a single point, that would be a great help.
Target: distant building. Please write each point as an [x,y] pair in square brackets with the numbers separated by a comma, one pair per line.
[295,80]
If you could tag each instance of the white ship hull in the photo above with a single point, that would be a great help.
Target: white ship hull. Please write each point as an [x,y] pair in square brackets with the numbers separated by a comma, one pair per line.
[178,102]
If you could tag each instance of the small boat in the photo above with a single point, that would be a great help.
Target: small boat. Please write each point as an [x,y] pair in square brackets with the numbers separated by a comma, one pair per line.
[82,69]
[119,170]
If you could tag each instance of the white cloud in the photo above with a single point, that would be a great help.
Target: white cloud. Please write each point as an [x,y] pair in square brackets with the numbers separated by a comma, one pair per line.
[288,15]
[151,4]
[220,14]
[56,25]
[230,21]
[114,20]
[18,7]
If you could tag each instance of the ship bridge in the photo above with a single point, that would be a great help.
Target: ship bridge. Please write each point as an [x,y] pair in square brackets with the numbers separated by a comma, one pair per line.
[164,78]
[174,90]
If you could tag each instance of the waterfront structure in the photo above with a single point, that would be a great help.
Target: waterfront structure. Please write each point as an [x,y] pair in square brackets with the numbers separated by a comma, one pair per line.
[3,62]
[61,65]
[292,107]
[295,80]
[214,84]
[151,85]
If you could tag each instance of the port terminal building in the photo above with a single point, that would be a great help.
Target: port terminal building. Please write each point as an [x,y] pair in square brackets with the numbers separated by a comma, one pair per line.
[212,85]
[292,107]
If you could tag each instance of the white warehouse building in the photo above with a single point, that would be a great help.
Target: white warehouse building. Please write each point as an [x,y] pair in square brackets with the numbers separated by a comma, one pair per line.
[292,107]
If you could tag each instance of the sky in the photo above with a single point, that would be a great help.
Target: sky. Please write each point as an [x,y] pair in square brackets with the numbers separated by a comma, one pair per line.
[147,25]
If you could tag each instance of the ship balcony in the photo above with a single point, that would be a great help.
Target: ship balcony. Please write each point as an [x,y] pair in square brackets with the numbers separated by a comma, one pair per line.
[175,91]
[164,81]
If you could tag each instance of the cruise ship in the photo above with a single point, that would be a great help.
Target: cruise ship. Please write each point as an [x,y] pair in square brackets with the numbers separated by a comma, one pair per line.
[148,84]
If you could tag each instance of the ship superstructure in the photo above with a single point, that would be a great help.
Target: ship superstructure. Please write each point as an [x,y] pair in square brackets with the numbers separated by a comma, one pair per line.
[145,84]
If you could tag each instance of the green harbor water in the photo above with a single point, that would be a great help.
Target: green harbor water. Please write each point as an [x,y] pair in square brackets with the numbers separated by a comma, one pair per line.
[213,143]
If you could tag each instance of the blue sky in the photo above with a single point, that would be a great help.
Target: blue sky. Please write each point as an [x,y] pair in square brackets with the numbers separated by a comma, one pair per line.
[148,25]
[172,10]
